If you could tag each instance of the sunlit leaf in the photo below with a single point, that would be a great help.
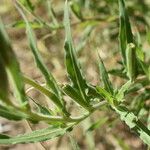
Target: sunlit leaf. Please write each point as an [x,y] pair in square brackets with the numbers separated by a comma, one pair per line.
[72,64]
[50,80]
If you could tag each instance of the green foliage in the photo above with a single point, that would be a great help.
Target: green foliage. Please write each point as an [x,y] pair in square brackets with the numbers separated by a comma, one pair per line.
[12,66]
[35,136]
[72,65]
[104,76]
[80,91]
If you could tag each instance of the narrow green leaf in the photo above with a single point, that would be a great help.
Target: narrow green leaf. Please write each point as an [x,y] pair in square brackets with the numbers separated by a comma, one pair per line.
[44,91]
[50,80]
[72,64]
[104,76]
[131,61]
[21,24]
[35,136]
[125,33]
[12,66]
[120,94]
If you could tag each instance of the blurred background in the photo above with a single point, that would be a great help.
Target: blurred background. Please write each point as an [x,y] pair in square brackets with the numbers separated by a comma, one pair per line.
[95,27]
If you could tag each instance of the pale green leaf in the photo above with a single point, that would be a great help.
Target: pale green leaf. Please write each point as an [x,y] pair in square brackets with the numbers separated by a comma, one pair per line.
[35,136]
[121,92]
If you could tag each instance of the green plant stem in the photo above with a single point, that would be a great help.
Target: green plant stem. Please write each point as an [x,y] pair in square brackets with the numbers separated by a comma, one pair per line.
[39,117]
[63,119]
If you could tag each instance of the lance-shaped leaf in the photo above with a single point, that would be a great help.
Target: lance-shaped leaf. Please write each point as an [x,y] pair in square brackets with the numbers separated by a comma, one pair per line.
[121,92]
[72,64]
[12,66]
[21,24]
[104,77]
[131,61]
[35,136]
[50,80]
[125,33]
